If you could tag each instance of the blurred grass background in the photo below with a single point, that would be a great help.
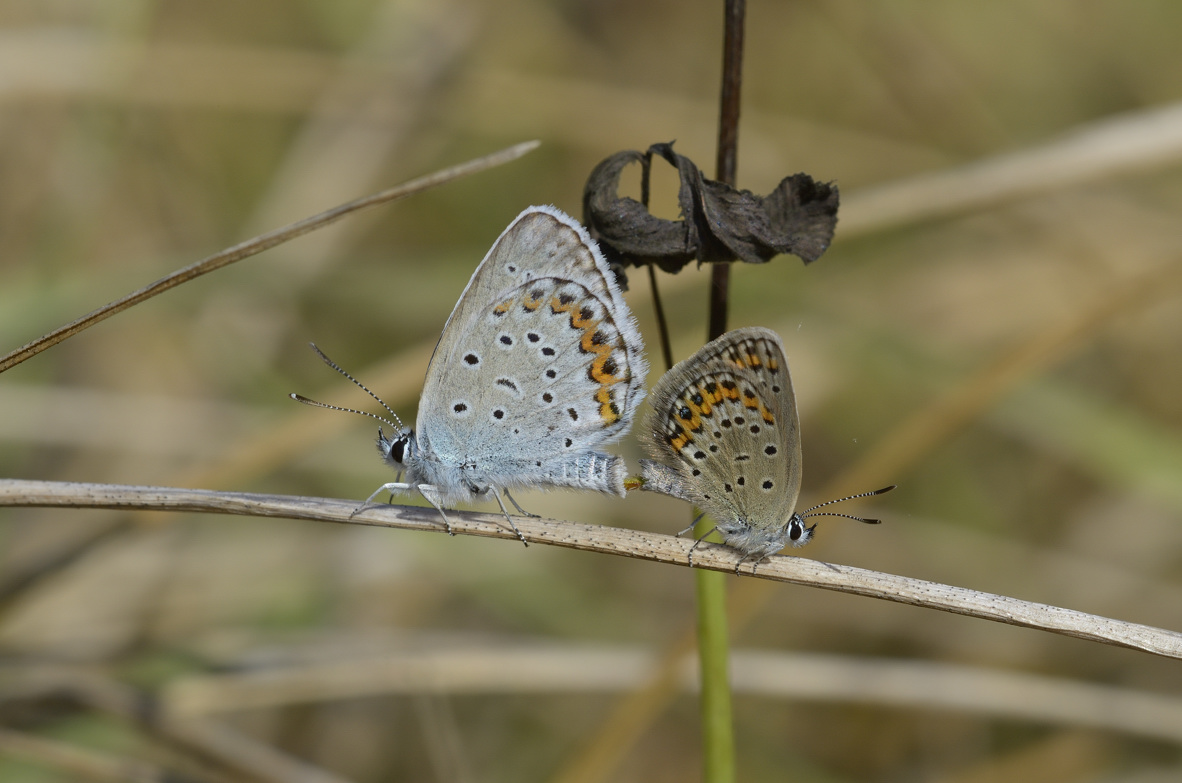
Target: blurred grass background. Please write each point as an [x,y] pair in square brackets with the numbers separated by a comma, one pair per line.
[136,137]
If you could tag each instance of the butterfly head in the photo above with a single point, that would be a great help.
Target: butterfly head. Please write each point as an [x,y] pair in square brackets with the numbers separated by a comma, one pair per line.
[398,448]
[799,534]
[796,532]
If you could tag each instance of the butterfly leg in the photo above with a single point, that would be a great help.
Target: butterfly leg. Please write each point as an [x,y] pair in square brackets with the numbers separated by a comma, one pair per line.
[425,490]
[754,565]
[505,511]
[397,486]
[689,558]
[756,558]
[391,487]
[693,524]
[521,510]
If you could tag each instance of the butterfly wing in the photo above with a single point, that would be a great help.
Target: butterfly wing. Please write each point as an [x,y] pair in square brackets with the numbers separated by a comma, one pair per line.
[724,434]
[539,363]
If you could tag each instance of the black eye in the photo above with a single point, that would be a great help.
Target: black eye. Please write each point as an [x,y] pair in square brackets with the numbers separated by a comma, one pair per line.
[398,450]
[795,530]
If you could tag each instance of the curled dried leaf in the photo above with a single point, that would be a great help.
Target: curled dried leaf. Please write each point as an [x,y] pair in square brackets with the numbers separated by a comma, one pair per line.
[719,223]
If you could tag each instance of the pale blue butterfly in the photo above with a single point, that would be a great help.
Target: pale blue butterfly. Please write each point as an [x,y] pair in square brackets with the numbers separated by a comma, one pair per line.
[724,435]
[539,364]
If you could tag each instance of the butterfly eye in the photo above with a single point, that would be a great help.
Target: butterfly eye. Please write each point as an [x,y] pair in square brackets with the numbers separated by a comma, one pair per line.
[397,450]
[795,529]
[393,449]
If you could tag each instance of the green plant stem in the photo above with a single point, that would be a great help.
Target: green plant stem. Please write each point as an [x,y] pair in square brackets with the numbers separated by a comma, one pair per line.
[718,736]
[718,739]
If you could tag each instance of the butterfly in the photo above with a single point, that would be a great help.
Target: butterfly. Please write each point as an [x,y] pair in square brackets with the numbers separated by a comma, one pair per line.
[539,365]
[723,434]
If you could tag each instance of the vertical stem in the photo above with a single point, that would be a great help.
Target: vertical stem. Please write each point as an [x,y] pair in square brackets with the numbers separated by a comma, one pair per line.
[732,82]
[662,325]
[728,146]
[718,738]
[720,285]
[658,308]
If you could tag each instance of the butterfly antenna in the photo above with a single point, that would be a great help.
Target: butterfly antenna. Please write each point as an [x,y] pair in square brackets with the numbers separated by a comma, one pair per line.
[315,404]
[809,512]
[867,520]
[359,384]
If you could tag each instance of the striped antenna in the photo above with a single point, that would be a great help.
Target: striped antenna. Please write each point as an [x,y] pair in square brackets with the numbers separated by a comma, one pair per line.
[809,512]
[396,424]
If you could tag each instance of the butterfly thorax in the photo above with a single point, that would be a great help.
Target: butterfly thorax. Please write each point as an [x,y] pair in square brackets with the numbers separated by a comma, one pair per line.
[405,454]
[757,543]
[465,477]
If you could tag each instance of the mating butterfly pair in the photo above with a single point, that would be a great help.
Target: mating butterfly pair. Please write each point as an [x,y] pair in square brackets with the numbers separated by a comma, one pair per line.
[541,363]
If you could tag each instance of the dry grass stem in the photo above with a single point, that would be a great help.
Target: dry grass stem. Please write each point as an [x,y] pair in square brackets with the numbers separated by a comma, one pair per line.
[918,435]
[497,667]
[206,741]
[607,540]
[1115,146]
[260,243]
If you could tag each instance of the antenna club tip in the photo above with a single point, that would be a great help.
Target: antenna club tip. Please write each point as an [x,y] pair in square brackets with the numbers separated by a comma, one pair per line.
[884,490]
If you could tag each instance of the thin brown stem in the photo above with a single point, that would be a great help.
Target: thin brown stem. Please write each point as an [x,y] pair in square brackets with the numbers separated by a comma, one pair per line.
[728,147]
[257,245]
[662,324]
[658,308]
[720,286]
[732,82]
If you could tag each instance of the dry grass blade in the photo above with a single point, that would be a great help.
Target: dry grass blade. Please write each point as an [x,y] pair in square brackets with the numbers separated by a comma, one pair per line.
[918,435]
[260,243]
[16,579]
[926,684]
[496,667]
[205,740]
[1136,141]
[607,540]
[362,119]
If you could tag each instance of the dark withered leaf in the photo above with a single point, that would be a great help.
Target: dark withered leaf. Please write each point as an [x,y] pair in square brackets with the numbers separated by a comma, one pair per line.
[626,232]
[719,223]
